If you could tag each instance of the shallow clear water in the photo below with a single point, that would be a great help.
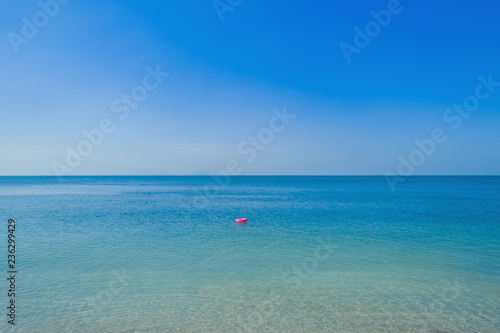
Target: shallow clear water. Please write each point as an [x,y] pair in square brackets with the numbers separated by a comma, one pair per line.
[319,254]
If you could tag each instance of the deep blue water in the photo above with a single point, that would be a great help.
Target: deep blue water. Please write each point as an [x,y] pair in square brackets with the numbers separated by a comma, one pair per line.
[319,254]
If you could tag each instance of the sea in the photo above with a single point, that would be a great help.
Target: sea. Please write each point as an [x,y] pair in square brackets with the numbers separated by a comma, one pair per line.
[318,254]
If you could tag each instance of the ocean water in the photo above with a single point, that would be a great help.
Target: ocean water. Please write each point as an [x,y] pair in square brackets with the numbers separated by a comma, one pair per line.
[319,254]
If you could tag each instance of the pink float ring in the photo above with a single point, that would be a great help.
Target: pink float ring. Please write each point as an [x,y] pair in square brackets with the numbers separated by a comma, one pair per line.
[241,221]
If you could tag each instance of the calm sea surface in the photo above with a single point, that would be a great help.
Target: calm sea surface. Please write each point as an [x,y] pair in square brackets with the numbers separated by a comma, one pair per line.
[319,254]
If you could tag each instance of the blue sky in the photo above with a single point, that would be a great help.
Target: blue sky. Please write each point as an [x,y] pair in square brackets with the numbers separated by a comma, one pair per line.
[226,77]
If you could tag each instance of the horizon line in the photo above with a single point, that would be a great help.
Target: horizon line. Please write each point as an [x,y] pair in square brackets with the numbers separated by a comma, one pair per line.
[267,175]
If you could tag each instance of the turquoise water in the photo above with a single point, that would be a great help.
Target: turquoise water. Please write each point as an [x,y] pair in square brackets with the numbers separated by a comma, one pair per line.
[319,254]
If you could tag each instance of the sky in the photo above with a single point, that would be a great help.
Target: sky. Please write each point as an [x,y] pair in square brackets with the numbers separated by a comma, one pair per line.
[249,87]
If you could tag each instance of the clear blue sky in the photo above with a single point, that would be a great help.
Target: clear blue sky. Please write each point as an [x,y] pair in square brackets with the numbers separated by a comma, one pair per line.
[226,77]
